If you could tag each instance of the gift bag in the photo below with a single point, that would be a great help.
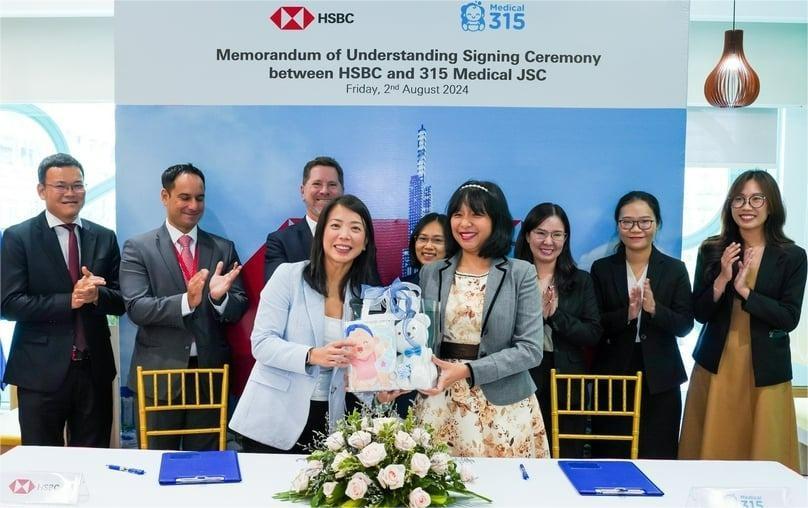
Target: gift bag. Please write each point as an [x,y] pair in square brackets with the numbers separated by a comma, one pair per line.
[374,345]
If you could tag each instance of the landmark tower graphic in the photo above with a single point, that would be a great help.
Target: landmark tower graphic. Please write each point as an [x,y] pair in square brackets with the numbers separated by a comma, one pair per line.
[419,199]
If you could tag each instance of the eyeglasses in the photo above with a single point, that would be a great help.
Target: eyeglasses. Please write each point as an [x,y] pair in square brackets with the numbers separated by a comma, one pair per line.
[62,188]
[643,224]
[435,240]
[541,235]
[755,201]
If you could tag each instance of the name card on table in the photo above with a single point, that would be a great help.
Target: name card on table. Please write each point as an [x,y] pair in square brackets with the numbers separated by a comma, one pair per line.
[37,487]
[761,497]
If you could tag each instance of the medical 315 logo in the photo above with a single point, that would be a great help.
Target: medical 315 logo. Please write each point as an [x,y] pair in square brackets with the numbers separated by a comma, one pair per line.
[299,17]
[477,16]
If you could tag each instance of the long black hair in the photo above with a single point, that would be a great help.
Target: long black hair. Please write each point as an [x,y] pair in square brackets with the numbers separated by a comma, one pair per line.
[713,247]
[565,265]
[363,269]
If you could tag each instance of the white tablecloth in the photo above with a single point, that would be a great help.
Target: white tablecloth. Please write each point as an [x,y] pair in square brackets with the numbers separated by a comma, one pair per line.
[499,479]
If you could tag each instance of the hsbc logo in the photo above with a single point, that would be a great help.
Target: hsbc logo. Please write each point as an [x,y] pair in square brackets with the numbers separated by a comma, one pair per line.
[21,486]
[298,18]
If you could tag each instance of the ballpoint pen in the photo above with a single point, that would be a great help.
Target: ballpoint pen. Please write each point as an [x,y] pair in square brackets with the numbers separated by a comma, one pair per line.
[126,469]
[524,472]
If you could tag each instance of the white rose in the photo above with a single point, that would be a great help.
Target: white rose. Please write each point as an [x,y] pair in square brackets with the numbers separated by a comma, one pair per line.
[419,498]
[356,488]
[420,464]
[378,423]
[362,476]
[360,439]
[301,481]
[440,462]
[421,437]
[335,441]
[328,488]
[372,454]
[392,476]
[404,441]
[466,474]
[314,467]
[338,458]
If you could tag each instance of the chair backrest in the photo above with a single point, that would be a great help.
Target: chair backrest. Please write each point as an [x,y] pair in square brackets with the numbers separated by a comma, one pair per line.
[177,399]
[617,388]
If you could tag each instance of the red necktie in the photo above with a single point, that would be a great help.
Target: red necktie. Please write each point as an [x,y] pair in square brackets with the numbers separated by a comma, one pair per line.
[186,257]
[79,340]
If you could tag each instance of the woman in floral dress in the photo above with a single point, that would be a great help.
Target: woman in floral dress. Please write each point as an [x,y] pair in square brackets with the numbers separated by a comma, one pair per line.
[484,403]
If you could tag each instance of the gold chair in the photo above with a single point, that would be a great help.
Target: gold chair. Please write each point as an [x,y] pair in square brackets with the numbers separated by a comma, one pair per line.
[172,404]
[579,381]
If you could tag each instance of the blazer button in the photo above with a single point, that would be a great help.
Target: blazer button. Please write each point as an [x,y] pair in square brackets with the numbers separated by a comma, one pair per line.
[642,337]
[483,354]
[187,348]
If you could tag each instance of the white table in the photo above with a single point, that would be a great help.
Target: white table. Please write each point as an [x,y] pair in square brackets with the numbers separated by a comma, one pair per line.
[499,479]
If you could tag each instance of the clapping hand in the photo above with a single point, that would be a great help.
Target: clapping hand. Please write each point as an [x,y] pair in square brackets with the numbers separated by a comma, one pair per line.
[648,302]
[634,302]
[86,288]
[549,302]
[195,286]
[220,283]
[741,284]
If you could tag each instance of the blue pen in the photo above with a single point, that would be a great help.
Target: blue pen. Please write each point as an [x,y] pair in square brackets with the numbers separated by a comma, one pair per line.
[126,469]
[524,472]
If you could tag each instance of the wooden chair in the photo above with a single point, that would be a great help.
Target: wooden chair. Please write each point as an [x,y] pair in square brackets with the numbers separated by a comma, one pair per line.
[179,402]
[579,382]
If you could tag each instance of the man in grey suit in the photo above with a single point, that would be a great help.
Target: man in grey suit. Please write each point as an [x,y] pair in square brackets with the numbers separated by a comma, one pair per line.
[175,292]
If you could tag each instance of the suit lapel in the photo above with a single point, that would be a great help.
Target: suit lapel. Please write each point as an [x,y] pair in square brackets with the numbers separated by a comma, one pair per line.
[206,248]
[88,238]
[50,244]
[166,249]
[620,275]
[768,264]
[304,234]
[446,278]
[655,270]
[493,284]
[315,308]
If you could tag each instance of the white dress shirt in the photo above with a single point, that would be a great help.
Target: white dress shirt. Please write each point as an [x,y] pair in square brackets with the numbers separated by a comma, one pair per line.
[62,234]
[632,282]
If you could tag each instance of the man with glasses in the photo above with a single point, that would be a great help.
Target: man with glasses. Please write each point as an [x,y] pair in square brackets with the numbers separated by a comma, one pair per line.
[322,183]
[59,281]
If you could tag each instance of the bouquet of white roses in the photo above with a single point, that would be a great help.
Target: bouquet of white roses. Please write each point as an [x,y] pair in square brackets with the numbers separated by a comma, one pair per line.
[374,460]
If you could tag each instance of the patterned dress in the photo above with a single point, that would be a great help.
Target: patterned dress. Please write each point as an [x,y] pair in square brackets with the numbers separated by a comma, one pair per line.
[462,416]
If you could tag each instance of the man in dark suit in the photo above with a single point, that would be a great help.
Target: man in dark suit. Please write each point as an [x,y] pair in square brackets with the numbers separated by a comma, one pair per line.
[175,291]
[322,183]
[59,282]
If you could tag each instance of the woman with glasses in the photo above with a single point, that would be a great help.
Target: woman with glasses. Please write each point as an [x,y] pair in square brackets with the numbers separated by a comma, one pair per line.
[645,303]
[748,291]
[427,243]
[568,306]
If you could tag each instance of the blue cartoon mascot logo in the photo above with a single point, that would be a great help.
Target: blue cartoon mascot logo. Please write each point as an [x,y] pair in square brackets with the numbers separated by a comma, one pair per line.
[472,17]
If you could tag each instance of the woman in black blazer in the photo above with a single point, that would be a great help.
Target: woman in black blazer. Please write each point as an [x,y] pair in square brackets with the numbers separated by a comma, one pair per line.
[569,309]
[749,286]
[645,303]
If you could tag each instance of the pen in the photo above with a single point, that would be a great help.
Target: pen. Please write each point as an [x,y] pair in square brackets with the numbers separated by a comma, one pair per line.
[126,469]
[619,491]
[524,472]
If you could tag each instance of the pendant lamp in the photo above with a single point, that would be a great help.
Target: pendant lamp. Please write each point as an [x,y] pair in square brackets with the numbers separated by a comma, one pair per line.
[732,83]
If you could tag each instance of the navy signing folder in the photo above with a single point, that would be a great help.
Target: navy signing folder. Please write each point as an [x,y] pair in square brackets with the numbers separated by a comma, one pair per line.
[608,478]
[178,468]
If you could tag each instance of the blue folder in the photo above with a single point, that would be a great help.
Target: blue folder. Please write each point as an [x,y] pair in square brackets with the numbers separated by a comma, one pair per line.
[608,478]
[178,468]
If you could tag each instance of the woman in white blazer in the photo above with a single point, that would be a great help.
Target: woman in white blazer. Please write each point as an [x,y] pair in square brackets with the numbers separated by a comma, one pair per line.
[297,341]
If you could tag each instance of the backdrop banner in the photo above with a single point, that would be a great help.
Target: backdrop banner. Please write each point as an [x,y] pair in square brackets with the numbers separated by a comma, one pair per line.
[575,102]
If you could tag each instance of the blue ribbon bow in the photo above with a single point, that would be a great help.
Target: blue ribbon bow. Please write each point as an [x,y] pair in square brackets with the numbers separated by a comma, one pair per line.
[373,295]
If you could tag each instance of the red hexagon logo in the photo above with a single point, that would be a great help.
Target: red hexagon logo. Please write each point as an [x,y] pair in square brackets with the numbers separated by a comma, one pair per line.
[292,18]
[21,486]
